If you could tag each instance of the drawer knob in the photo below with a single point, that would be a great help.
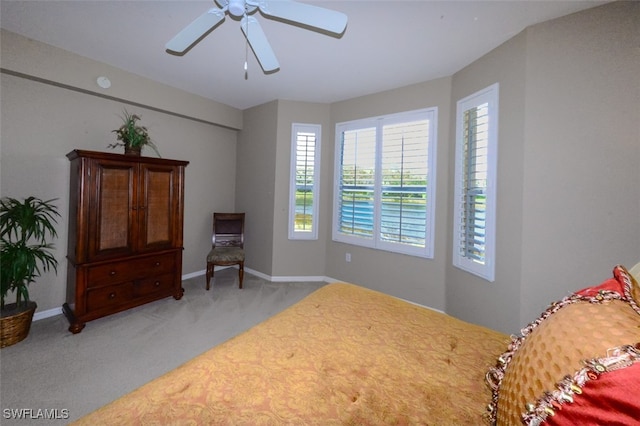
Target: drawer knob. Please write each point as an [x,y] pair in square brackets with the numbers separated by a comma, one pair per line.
[112,273]
[112,296]
[157,284]
[157,263]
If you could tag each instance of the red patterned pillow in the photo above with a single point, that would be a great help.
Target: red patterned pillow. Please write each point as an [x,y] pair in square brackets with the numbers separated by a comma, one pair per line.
[612,284]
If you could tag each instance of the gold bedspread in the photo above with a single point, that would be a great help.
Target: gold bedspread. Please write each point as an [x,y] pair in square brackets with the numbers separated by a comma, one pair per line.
[343,355]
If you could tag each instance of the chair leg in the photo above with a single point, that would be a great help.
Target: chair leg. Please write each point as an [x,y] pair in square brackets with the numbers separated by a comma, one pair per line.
[241,273]
[209,274]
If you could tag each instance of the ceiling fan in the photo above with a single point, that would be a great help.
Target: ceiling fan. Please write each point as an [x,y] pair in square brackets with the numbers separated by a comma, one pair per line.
[305,15]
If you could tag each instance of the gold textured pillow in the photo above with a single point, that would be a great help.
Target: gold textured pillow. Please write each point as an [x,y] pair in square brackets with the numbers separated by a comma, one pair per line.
[579,327]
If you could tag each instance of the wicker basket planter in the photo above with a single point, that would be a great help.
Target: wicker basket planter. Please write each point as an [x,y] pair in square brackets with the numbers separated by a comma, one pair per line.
[15,323]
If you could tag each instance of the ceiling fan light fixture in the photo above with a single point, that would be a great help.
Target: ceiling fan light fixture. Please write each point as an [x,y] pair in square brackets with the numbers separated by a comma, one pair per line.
[237,8]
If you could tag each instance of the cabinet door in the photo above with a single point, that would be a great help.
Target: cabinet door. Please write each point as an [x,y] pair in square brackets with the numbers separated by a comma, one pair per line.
[112,217]
[158,207]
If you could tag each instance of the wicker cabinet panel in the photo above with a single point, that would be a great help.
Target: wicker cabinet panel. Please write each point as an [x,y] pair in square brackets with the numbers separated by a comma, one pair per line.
[158,200]
[111,219]
[125,233]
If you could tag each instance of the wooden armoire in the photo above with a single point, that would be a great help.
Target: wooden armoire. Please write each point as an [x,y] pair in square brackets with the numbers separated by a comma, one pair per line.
[125,233]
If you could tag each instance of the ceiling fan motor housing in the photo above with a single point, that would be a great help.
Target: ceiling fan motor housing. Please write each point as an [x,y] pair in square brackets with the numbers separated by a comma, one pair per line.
[237,8]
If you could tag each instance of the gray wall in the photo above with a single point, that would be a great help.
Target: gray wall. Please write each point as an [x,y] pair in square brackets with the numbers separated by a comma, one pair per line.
[44,119]
[582,152]
[50,64]
[294,257]
[255,183]
[568,192]
[495,304]
[264,156]
[569,149]
[568,176]
[413,278]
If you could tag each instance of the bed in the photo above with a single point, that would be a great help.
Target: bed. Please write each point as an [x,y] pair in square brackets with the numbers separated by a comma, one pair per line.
[352,356]
[343,355]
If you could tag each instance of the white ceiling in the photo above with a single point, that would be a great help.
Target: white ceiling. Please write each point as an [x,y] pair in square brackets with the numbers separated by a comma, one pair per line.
[387,44]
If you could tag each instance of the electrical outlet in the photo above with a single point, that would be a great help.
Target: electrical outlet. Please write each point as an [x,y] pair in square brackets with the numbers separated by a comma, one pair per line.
[347,257]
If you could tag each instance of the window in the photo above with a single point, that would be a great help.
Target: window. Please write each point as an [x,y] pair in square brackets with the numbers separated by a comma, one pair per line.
[304,181]
[474,220]
[385,182]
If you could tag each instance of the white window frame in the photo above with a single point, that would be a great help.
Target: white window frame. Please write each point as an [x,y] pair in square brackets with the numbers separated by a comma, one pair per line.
[486,268]
[295,234]
[375,241]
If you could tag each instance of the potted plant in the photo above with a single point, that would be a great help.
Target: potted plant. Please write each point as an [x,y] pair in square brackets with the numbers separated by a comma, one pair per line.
[25,254]
[132,136]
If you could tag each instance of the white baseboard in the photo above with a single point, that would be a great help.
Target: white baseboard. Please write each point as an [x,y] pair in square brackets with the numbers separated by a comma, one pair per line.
[193,274]
[285,278]
[422,306]
[302,278]
[48,313]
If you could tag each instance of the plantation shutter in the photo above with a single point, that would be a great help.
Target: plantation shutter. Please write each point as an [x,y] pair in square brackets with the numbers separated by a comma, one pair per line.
[405,148]
[384,194]
[473,197]
[305,180]
[357,182]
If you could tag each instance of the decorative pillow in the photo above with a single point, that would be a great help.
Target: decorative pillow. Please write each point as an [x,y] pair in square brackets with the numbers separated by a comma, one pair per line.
[579,327]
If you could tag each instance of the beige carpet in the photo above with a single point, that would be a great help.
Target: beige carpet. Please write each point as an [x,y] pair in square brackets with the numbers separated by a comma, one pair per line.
[72,375]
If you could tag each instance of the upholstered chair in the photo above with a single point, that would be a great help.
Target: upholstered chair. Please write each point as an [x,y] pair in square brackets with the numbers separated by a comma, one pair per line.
[227,244]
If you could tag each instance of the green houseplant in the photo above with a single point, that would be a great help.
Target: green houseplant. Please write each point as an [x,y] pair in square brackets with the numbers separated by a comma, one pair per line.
[25,227]
[132,136]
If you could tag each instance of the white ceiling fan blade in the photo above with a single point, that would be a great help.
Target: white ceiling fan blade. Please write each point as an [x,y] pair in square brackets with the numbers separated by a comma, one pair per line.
[305,14]
[259,44]
[192,32]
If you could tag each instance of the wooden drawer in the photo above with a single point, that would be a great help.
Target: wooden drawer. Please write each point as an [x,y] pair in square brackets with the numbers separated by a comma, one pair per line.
[107,297]
[147,286]
[138,268]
